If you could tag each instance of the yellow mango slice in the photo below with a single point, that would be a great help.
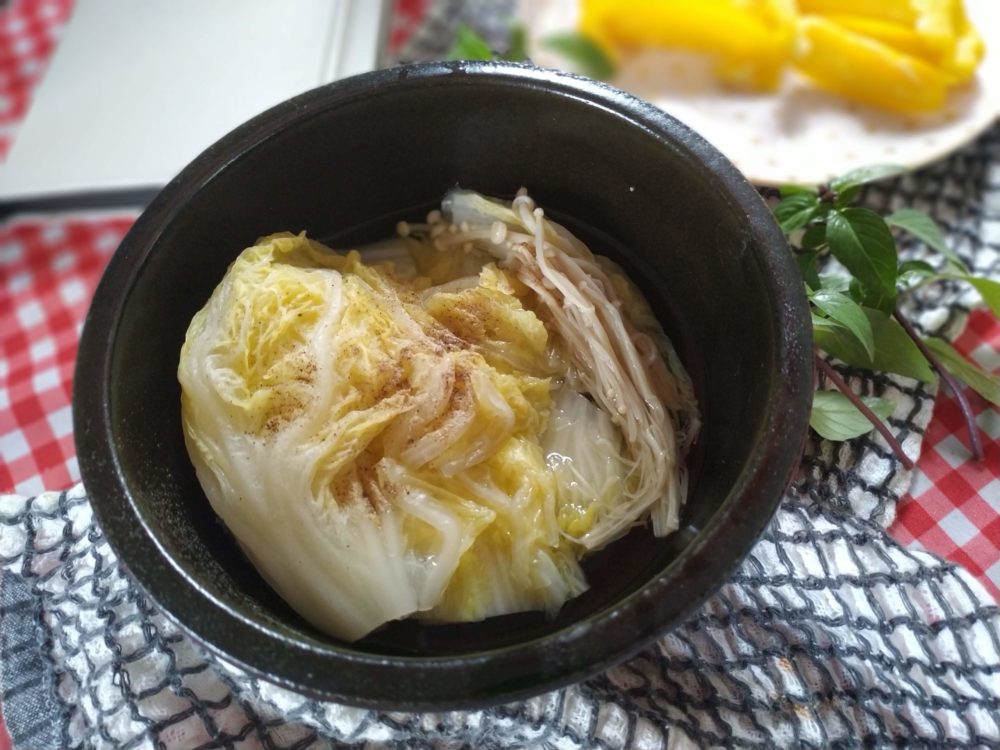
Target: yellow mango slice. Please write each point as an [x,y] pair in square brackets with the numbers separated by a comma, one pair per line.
[708,26]
[968,50]
[900,55]
[932,20]
[935,23]
[865,70]
[592,24]
[900,12]
[750,39]
[901,37]
[938,32]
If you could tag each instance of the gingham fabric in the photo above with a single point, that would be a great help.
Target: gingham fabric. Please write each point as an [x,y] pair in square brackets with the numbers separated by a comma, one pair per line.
[407,17]
[830,634]
[954,509]
[49,269]
[29,30]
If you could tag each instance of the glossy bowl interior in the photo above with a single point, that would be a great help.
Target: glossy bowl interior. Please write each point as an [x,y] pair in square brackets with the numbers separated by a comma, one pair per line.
[345,163]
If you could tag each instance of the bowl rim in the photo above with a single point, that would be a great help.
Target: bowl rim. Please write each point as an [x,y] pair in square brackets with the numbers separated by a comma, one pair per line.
[319,672]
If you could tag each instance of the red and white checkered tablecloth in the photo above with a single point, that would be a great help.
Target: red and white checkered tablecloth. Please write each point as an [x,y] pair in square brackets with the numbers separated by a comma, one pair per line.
[954,505]
[29,30]
[50,267]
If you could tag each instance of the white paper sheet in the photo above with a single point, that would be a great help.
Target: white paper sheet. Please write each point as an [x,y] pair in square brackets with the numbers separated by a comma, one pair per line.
[136,89]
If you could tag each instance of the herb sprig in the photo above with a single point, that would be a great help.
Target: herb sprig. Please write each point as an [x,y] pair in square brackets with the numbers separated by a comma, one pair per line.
[854,300]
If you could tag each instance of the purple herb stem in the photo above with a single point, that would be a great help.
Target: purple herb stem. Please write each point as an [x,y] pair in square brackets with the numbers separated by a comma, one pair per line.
[947,377]
[834,377]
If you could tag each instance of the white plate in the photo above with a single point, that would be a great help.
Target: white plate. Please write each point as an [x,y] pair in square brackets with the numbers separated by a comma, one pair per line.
[798,134]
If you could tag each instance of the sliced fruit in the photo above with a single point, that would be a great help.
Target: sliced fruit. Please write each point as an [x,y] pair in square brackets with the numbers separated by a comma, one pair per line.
[865,70]
[901,37]
[751,40]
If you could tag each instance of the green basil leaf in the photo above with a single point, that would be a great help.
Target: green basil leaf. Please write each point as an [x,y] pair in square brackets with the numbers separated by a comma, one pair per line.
[855,291]
[585,54]
[822,212]
[924,228]
[986,384]
[917,267]
[864,175]
[834,417]
[861,240]
[847,312]
[989,290]
[819,322]
[847,195]
[957,266]
[468,45]
[808,269]
[517,44]
[835,282]
[814,237]
[787,190]
[913,269]
[894,349]
[795,211]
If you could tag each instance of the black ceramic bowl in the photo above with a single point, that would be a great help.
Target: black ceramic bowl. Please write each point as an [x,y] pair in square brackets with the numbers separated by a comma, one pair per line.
[346,162]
